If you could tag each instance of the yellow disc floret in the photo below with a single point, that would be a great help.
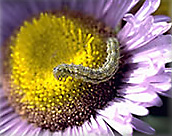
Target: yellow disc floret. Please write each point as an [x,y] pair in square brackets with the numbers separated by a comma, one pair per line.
[41,45]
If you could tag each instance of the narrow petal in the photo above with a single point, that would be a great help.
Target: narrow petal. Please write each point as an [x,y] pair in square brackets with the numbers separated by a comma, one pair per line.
[6,111]
[142,97]
[10,125]
[166,93]
[7,118]
[114,15]
[155,102]
[34,132]
[161,18]
[12,20]
[118,117]
[124,129]
[57,134]
[160,44]
[18,129]
[137,33]
[26,130]
[102,125]
[147,8]
[142,126]
[89,7]
[134,89]
[84,128]
[46,133]
[132,108]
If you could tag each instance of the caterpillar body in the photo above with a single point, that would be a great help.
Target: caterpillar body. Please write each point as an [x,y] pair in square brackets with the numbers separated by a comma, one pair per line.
[91,75]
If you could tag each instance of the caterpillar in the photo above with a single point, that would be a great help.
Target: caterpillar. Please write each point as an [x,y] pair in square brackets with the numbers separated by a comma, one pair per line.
[88,74]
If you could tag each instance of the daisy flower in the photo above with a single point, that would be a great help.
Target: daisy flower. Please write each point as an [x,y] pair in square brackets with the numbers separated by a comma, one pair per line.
[70,69]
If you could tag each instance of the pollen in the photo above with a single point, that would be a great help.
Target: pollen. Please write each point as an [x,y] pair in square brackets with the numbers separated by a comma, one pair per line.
[41,44]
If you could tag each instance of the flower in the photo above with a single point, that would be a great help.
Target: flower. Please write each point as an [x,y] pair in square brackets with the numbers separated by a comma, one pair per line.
[39,104]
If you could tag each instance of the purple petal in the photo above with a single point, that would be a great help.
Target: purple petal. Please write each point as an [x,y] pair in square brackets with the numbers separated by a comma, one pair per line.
[142,126]
[7,119]
[35,132]
[155,102]
[6,111]
[159,78]
[10,125]
[74,131]
[166,93]
[142,97]
[117,10]
[148,8]
[136,34]
[4,104]
[26,130]
[89,6]
[14,13]
[101,123]
[112,133]
[73,5]
[17,129]
[67,131]
[160,43]
[99,8]
[124,129]
[161,18]
[134,89]
[46,133]
[156,50]
[162,86]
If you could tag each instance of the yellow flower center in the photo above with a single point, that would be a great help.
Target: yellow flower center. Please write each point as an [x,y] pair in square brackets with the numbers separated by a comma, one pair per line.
[39,46]
[42,45]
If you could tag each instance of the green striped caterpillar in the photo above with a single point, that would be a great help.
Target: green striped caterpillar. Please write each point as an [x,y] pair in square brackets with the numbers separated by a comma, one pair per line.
[94,76]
